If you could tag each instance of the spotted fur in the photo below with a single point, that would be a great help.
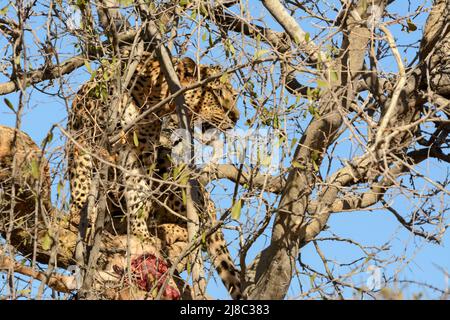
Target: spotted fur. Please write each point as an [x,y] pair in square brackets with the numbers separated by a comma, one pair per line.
[93,119]
[172,229]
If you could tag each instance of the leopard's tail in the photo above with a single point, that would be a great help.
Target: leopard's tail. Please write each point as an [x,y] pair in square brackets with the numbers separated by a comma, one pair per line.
[221,257]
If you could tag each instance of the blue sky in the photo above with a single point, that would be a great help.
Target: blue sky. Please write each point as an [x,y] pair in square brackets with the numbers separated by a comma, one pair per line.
[371,228]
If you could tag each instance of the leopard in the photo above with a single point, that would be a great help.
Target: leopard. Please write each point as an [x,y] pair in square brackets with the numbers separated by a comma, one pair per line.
[171,228]
[131,159]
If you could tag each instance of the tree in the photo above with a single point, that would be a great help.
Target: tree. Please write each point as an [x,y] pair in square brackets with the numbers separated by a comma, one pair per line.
[347,122]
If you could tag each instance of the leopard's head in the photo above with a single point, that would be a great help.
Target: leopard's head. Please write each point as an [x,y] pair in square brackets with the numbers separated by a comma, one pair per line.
[214,103]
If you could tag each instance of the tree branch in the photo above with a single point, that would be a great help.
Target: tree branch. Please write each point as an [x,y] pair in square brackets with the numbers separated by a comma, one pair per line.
[54,71]
[277,263]
[251,180]
[57,282]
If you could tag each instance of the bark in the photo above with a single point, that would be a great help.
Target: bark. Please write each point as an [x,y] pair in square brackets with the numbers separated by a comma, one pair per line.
[274,268]
[276,265]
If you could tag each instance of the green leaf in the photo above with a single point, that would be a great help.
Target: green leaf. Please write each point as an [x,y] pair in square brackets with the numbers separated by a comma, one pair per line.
[184,3]
[162,27]
[204,238]
[224,78]
[151,168]
[176,171]
[294,143]
[210,40]
[276,121]
[4,10]
[232,50]
[259,54]
[315,166]
[307,37]
[93,74]
[311,280]
[364,5]
[236,210]
[311,94]
[184,179]
[297,164]
[46,242]
[81,3]
[258,40]
[151,6]
[135,139]
[229,48]
[24,292]
[9,104]
[34,169]
[205,37]
[47,139]
[126,2]
[203,10]
[59,189]
[411,26]
[291,107]
[312,110]
[334,76]
[322,83]
[88,66]
[315,155]
[188,267]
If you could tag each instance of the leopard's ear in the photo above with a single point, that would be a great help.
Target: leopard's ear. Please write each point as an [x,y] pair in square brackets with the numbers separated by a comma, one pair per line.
[188,67]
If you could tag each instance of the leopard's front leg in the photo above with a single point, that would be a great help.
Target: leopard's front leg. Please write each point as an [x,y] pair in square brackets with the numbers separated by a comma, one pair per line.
[80,175]
[137,193]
